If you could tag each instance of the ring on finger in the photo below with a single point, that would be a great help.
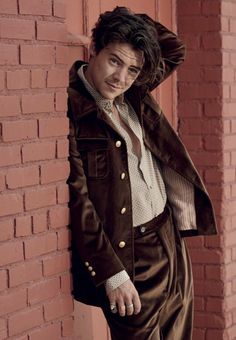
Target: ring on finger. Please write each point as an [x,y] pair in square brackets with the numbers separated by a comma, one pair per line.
[113,308]
[130,306]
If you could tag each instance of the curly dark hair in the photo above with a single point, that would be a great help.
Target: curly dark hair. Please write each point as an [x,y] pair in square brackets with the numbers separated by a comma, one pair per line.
[122,25]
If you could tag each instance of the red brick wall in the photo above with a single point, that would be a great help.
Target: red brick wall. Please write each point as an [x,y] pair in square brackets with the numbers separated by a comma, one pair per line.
[35,300]
[207,106]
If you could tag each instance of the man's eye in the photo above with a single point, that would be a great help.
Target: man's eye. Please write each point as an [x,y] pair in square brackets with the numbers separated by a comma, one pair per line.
[114,61]
[134,71]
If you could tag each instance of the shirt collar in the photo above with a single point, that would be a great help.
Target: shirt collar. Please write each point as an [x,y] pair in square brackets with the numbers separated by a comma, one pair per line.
[103,103]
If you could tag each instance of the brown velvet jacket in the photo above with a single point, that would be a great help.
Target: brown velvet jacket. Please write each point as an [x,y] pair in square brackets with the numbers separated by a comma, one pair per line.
[97,192]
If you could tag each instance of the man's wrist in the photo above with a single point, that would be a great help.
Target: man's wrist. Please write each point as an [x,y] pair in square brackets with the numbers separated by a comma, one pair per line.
[116,280]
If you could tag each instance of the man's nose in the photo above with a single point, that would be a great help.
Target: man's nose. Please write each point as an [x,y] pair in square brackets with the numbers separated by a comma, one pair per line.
[121,75]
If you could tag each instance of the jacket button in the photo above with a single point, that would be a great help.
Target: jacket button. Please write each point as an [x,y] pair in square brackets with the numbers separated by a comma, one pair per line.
[143,229]
[122,244]
[93,273]
[118,143]
[90,268]
[123,210]
[86,264]
[122,176]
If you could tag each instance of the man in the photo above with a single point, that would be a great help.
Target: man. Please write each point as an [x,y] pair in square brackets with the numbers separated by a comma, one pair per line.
[134,190]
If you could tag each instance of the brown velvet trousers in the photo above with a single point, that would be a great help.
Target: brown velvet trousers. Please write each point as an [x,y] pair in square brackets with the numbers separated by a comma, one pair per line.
[163,279]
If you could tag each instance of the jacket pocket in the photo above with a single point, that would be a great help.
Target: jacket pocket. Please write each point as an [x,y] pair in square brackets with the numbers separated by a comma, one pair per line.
[94,155]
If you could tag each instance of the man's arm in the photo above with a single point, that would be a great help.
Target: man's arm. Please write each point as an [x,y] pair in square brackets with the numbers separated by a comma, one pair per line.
[172,50]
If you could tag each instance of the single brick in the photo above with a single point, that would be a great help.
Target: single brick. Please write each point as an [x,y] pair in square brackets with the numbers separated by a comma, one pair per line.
[3,284]
[38,103]
[62,193]
[40,223]
[17,29]
[191,24]
[13,301]
[59,216]
[62,53]
[186,8]
[18,79]
[8,7]
[228,8]
[19,130]
[42,197]
[6,230]
[36,55]
[198,272]
[68,327]
[211,320]
[214,304]
[62,148]
[10,106]
[214,272]
[52,31]
[23,226]
[211,40]
[25,272]
[40,245]
[56,171]
[53,127]
[10,204]
[3,326]
[59,8]
[38,78]
[211,8]
[198,91]
[57,78]
[2,182]
[66,283]
[35,7]
[23,321]
[206,256]
[11,252]
[22,177]
[2,80]
[64,239]
[51,331]
[38,151]
[58,307]
[215,334]
[10,155]
[56,264]
[208,288]
[9,54]
[61,101]
[43,290]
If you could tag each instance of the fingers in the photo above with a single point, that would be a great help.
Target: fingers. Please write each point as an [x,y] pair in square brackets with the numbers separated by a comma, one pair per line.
[137,304]
[125,300]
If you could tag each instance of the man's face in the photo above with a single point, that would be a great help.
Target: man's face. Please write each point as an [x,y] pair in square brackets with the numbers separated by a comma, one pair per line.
[114,69]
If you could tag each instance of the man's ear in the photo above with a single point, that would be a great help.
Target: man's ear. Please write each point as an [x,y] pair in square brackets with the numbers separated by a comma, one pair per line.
[92,50]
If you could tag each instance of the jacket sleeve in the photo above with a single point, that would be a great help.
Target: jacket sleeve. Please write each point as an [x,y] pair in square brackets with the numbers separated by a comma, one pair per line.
[172,50]
[88,236]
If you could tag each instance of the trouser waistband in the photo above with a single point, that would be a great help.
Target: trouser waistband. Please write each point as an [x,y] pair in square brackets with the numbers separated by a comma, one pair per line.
[152,225]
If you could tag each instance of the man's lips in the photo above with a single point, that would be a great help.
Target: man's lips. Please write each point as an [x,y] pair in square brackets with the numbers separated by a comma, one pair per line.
[114,86]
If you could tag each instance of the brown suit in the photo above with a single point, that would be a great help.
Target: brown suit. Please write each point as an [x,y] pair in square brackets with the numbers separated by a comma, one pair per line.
[102,237]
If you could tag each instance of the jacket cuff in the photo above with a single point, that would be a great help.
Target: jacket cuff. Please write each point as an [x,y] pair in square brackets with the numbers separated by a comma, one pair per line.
[116,280]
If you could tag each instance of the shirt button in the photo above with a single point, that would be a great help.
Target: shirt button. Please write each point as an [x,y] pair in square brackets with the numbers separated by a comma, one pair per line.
[118,143]
[123,210]
[90,268]
[122,244]
[143,229]
[93,273]
[86,264]
[122,176]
